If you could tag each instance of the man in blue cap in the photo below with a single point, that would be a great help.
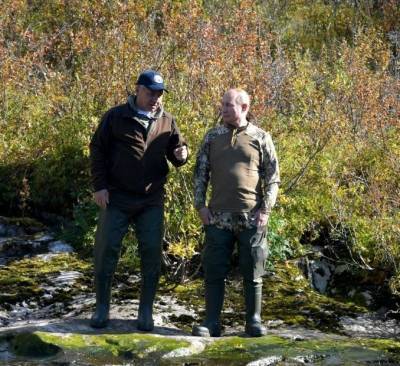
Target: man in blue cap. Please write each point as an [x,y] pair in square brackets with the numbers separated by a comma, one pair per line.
[129,153]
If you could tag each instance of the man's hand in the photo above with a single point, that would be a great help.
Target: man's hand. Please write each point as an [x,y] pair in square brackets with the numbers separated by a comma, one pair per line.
[261,219]
[205,215]
[101,198]
[181,153]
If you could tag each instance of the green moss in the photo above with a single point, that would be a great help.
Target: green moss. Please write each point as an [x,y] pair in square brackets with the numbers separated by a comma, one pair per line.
[244,349]
[236,350]
[31,345]
[124,345]
[289,297]
[223,351]
[27,223]
[388,345]
[21,280]
[189,293]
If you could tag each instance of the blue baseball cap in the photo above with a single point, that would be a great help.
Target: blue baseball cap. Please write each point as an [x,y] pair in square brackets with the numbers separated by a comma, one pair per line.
[151,79]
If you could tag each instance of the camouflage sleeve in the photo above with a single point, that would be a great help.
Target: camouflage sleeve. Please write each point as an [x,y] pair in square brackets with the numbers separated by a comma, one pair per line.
[202,173]
[269,173]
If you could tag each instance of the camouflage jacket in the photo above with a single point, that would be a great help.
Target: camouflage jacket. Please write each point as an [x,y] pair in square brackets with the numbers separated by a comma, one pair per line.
[267,172]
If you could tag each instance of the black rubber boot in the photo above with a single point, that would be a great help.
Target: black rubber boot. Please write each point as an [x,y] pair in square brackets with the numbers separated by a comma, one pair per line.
[211,326]
[111,228]
[253,297]
[147,294]
[103,296]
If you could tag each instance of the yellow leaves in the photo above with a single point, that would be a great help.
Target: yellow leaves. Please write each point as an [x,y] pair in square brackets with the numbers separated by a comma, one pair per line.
[184,250]
[313,77]
[341,82]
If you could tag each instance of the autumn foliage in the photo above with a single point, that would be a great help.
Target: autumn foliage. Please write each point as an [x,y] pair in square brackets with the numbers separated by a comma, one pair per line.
[324,77]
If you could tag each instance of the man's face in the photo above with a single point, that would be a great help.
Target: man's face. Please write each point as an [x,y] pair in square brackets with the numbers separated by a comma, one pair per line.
[147,99]
[231,110]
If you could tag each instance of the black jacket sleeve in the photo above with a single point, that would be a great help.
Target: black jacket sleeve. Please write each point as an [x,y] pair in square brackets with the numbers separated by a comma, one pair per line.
[99,151]
[175,140]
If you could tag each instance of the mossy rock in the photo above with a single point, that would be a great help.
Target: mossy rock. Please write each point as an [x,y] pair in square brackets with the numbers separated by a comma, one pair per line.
[287,296]
[21,280]
[28,224]
[31,345]
[240,351]
[121,346]
[233,351]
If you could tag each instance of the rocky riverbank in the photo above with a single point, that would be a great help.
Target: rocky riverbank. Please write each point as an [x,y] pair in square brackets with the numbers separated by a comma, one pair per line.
[46,299]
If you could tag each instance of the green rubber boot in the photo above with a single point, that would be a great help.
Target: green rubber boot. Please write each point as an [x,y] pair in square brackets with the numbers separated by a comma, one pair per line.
[100,316]
[253,301]
[211,326]
[148,290]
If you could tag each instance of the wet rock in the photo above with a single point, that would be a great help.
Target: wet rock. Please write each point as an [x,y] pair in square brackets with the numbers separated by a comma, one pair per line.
[14,248]
[274,323]
[86,345]
[393,314]
[12,231]
[308,359]
[43,237]
[368,298]
[335,268]
[21,238]
[3,229]
[4,318]
[60,247]
[371,325]
[18,226]
[196,347]
[47,257]
[321,274]
[268,361]
[65,278]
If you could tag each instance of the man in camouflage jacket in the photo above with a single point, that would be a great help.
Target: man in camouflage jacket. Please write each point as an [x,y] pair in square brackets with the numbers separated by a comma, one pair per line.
[240,162]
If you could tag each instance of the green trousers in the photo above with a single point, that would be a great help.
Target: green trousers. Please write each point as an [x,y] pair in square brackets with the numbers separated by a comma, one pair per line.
[219,246]
[217,253]
[111,228]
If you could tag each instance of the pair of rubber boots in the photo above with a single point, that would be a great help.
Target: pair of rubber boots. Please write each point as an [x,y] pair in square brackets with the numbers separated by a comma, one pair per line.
[145,321]
[214,297]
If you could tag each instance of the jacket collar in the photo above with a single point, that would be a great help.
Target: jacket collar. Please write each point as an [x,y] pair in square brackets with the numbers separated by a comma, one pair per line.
[132,111]
[237,129]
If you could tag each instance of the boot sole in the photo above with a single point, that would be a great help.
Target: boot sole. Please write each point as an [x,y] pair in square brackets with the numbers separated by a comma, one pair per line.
[255,332]
[205,333]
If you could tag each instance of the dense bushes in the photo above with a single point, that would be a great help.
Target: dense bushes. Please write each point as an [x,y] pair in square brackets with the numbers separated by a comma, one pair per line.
[324,77]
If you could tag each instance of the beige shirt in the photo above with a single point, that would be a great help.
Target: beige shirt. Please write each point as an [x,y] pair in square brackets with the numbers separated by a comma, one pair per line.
[234,165]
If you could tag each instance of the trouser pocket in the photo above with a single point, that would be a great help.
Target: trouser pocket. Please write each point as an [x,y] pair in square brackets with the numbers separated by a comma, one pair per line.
[259,253]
